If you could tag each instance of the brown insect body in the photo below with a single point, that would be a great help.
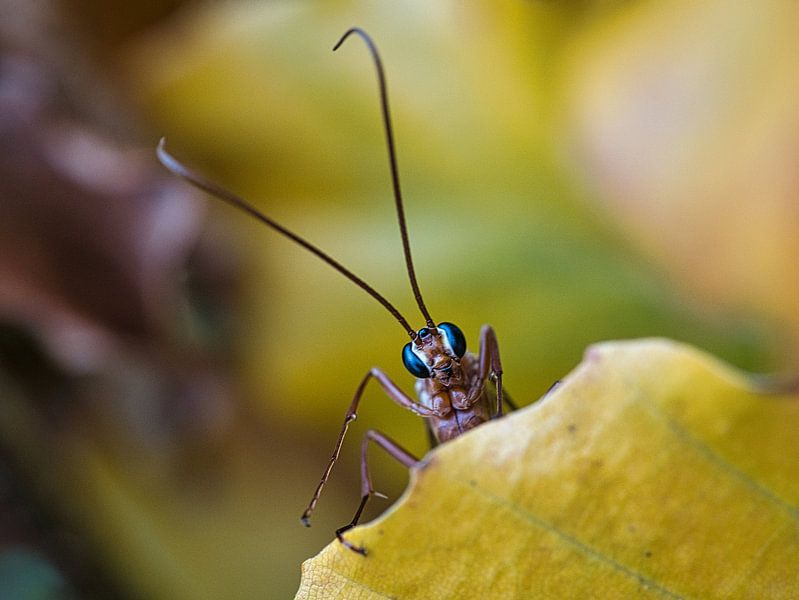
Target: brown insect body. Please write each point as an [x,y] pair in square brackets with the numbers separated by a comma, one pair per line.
[456,391]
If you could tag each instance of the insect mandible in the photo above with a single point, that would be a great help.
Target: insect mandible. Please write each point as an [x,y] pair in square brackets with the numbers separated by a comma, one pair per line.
[450,382]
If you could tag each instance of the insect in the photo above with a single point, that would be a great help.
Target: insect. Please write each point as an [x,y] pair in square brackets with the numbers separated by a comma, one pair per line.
[450,382]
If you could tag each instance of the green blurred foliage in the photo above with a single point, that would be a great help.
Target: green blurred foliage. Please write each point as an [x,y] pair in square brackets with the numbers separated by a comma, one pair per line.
[27,576]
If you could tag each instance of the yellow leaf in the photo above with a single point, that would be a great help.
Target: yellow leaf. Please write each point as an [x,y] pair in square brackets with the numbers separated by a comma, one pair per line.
[654,470]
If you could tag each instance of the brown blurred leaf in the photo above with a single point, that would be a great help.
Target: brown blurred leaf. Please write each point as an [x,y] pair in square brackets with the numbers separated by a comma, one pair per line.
[99,344]
[92,234]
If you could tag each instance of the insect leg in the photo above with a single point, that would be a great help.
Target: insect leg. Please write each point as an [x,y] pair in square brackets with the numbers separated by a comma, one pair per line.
[490,365]
[431,437]
[367,491]
[396,394]
[511,403]
[506,398]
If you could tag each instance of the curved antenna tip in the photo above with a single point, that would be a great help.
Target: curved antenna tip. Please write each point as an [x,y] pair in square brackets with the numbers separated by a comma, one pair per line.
[349,32]
[392,158]
[198,181]
[170,162]
[163,156]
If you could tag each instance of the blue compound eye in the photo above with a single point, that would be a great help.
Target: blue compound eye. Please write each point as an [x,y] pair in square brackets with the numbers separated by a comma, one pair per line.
[413,363]
[455,337]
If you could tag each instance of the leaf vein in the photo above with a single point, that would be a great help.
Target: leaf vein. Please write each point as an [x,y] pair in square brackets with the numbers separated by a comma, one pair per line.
[722,463]
[356,583]
[580,545]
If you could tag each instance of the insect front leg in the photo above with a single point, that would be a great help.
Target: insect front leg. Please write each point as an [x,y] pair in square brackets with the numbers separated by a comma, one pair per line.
[393,392]
[367,491]
[490,365]
[507,400]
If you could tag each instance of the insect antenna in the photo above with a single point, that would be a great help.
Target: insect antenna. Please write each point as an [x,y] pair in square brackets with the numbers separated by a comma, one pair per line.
[392,158]
[197,180]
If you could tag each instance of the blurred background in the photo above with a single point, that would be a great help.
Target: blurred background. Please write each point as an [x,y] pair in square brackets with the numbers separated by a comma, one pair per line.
[173,375]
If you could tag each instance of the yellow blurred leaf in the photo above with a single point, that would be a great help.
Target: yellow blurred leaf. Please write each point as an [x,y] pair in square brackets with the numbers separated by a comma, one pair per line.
[686,121]
[654,471]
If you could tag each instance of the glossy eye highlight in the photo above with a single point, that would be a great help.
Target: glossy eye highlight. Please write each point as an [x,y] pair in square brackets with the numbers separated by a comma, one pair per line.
[413,363]
[455,337]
